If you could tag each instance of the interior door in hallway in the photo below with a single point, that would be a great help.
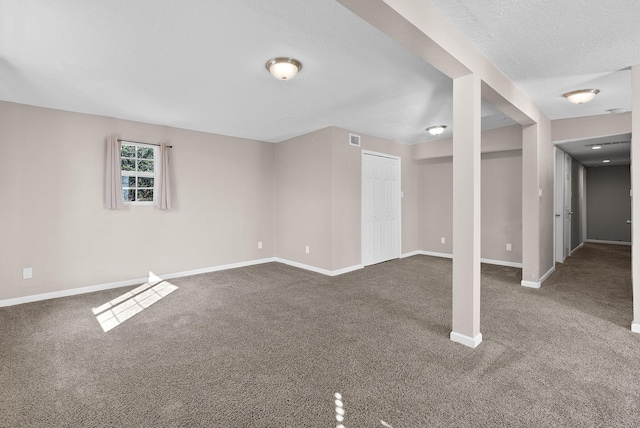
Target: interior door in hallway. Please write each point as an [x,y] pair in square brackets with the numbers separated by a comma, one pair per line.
[380,208]
[567,206]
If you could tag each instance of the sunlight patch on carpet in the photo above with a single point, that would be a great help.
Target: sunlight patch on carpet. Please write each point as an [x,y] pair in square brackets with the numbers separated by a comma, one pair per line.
[120,309]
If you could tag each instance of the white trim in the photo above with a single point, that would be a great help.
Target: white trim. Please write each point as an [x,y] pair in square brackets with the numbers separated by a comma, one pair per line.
[317,269]
[530,284]
[125,283]
[635,327]
[450,256]
[501,263]
[436,254]
[544,277]
[411,254]
[597,241]
[382,155]
[218,268]
[471,342]
[538,284]
[576,249]
[346,270]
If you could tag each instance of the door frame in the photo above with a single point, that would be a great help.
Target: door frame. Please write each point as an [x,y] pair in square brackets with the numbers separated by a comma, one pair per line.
[558,202]
[362,200]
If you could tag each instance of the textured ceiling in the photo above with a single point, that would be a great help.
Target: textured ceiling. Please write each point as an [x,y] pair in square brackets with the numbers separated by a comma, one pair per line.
[200,64]
[552,47]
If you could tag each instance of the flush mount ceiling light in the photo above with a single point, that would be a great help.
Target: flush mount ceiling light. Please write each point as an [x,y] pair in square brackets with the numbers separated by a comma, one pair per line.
[436,130]
[581,96]
[283,68]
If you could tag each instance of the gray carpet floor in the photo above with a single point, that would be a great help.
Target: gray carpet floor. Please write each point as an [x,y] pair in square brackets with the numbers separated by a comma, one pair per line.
[270,345]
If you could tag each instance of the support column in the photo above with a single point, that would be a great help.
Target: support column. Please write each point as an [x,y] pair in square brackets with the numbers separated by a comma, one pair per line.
[635,200]
[530,208]
[466,210]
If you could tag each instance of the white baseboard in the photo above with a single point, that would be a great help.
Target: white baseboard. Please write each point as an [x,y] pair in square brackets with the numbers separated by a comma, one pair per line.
[126,283]
[635,327]
[411,254]
[501,263]
[597,241]
[576,249]
[544,277]
[471,342]
[347,270]
[538,283]
[450,256]
[436,254]
[138,281]
[530,284]
[317,269]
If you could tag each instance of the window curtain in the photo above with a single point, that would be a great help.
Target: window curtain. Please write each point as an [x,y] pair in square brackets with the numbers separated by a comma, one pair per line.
[163,198]
[113,199]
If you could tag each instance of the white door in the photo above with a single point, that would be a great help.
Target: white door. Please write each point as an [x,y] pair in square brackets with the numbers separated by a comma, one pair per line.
[567,206]
[380,208]
[559,206]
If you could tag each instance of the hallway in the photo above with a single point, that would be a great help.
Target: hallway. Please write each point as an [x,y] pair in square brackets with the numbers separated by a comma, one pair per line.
[596,279]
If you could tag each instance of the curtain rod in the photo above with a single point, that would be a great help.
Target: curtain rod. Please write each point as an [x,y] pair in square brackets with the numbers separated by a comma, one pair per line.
[139,142]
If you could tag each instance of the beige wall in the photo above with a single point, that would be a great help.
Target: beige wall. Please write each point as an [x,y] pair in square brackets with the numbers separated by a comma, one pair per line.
[501,195]
[346,190]
[53,220]
[229,193]
[319,179]
[494,140]
[502,206]
[435,178]
[304,207]
[590,126]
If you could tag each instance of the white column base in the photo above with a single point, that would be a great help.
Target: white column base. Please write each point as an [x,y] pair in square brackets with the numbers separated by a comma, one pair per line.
[530,284]
[471,342]
[635,327]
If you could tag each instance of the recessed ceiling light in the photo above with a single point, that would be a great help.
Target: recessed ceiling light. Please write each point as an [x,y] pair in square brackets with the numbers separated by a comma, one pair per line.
[283,68]
[596,147]
[606,161]
[436,130]
[581,95]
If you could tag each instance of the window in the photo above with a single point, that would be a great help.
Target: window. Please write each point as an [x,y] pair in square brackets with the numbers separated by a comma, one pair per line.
[138,165]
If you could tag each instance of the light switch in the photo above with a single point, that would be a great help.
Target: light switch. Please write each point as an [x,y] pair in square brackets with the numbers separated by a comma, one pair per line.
[27,273]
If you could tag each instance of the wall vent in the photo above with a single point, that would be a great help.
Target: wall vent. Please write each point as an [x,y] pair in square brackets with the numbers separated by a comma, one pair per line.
[354,140]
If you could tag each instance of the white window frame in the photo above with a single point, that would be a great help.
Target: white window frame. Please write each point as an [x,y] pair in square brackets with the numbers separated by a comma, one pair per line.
[153,174]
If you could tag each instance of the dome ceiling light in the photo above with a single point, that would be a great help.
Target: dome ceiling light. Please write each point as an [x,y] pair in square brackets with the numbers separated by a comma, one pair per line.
[283,68]
[581,96]
[437,129]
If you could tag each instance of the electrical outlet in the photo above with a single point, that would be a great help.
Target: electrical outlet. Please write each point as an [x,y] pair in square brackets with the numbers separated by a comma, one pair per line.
[27,273]
[442,240]
[307,249]
[508,247]
[259,245]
